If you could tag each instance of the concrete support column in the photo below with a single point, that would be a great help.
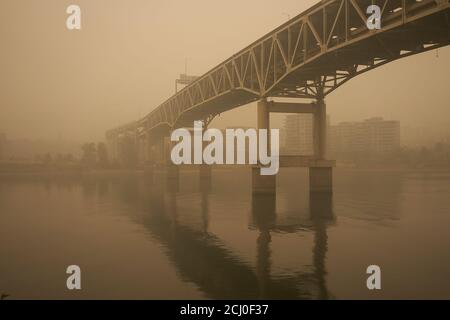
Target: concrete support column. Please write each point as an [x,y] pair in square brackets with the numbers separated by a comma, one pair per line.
[143,149]
[109,145]
[321,179]
[152,152]
[146,148]
[120,146]
[263,184]
[139,150]
[113,148]
[163,169]
[160,151]
[172,170]
[204,169]
[320,130]
[116,148]
[263,117]
[167,150]
[320,172]
[205,176]
[321,206]
[137,147]
[147,154]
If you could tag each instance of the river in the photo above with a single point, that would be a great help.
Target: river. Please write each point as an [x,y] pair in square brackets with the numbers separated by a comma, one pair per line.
[135,237]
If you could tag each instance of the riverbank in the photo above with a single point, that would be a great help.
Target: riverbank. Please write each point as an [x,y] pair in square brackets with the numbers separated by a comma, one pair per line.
[27,169]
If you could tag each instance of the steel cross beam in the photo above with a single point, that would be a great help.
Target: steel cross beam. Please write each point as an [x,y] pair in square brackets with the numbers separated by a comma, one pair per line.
[286,107]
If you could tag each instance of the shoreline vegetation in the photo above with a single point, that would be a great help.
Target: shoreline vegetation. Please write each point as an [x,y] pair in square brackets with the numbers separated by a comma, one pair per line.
[95,160]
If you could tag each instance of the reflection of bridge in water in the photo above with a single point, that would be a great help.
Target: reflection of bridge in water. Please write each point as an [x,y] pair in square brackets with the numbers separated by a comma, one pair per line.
[308,57]
[203,259]
[199,253]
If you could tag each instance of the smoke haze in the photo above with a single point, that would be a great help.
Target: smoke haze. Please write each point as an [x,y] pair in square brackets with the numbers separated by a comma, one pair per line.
[75,85]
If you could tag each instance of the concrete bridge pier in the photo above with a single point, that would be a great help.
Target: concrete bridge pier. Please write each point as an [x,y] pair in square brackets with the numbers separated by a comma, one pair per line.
[205,171]
[148,160]
[321,179]
[172,170]
[163,168]
[172,174]
[141,148]
[320,170]
[263,184]
[205,176]
[321,206]
[112,147]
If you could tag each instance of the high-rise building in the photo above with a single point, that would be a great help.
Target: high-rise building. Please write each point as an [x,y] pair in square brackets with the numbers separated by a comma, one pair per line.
[373,136]
[298,134]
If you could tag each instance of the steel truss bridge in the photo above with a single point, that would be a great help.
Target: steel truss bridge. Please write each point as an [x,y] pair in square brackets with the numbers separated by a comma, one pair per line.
[309,56]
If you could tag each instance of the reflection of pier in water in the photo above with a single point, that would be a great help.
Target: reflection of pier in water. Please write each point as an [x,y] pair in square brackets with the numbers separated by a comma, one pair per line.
[205,259]
[202,259]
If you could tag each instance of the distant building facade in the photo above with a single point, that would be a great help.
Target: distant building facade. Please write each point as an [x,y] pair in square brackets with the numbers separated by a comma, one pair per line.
[424,136]
[374,136]
[298,134]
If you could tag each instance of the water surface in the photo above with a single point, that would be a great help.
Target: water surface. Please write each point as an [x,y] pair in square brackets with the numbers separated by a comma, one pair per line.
[135,238]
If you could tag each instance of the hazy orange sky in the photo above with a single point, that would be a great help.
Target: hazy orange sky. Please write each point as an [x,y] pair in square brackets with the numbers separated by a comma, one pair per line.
[122,64]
